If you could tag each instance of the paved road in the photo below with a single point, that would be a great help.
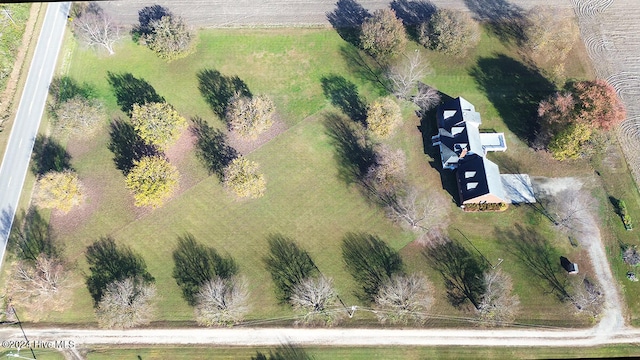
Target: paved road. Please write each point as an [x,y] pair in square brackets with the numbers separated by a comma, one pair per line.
[16,158]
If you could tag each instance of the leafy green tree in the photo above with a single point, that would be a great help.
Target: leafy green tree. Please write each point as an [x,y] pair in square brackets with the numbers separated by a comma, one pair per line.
[250,116]
[383,116]
[109,262]
[59,190]
[157,124]
[370,261]
[449,31]
[288,264]
[383,35]
[169,37]
[195,264]
[152,180]
[242,178]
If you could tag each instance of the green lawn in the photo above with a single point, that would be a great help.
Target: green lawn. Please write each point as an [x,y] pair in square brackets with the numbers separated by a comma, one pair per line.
[457,352]
[307,198]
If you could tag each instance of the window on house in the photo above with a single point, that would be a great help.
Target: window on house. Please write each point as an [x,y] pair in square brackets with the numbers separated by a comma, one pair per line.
[472,185]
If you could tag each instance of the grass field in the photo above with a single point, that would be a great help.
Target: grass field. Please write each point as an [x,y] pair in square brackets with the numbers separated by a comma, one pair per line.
[307,197]
[458,352]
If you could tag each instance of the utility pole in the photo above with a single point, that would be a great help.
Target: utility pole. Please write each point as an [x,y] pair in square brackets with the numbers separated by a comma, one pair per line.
[23,334]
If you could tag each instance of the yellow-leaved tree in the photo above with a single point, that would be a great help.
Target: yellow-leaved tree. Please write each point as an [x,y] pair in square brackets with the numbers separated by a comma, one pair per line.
[383,115]
[242,177]
[157,123]
[152,180]
[58,190]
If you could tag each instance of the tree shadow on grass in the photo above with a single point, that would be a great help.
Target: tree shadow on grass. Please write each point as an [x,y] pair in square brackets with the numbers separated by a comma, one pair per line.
[347,19]
[534,251]
[31,236]
[130,90]
[288,264]
[127,146]
[109,262]
[218,89]
[365,67]
[354,153]
[344,94]
[370,261]
[515,90]
[195,264]
[49,155]
[212,148]
[146,16]
[505,20]
[461,270]
[413,14]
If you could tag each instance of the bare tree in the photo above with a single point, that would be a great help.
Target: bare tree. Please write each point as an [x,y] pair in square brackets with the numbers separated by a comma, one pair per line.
[126,303]
[571,209]
[388,173]
[497,305]
[315,296]
[587,297]
[413,209]
[40,286]
[95,27]
[403,299]
[426,98]
[404,75]
[222,302]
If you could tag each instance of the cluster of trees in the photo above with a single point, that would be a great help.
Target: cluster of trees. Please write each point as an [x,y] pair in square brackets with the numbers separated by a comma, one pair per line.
[122,289]
[246,115]
[161,31]
[569,120]
[210,283]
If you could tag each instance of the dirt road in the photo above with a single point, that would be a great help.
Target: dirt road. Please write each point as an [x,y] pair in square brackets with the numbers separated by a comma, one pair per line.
[326,337]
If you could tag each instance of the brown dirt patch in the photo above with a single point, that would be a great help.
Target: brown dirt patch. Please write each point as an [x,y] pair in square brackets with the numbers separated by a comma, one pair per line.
[246,146]
[185,143]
